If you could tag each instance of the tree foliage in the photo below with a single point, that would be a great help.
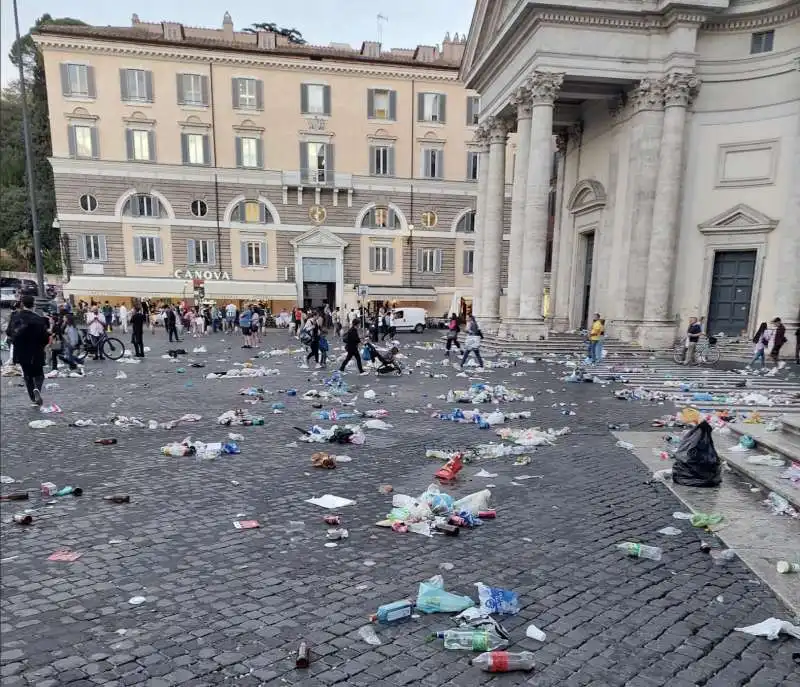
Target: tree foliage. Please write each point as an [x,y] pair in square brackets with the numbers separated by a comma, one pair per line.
[292,34]
[16,228]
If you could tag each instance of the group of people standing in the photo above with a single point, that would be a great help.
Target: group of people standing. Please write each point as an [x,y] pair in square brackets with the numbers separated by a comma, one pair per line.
[769,339]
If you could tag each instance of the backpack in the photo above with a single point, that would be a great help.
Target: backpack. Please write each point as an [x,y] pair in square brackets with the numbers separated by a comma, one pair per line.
[305,337]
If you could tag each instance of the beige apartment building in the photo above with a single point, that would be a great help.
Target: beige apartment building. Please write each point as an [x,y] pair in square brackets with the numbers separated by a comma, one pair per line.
[271,171]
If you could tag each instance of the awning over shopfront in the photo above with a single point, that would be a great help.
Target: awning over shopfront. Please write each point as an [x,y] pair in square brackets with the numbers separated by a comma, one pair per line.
[150,287]
[393,293]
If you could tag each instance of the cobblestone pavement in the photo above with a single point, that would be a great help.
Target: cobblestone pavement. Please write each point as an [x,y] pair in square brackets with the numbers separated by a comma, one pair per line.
[227,606]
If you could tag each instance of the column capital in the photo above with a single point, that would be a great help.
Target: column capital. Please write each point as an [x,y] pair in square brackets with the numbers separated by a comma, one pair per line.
[544,86]
[521,99]
[679,89]
[562,138]
[497,130]
[648,95]
[482,137]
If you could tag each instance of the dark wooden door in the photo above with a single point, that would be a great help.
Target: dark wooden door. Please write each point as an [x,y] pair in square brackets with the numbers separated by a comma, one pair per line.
[731,292]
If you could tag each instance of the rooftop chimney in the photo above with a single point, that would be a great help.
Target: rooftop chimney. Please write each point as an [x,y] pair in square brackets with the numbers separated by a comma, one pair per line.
[266,40]
[453,50]
[426,53]
[227,27]
[371,49]
[172,31]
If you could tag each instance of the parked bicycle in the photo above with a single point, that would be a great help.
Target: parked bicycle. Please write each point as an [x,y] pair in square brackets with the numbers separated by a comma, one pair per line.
[706,352]
[111,347]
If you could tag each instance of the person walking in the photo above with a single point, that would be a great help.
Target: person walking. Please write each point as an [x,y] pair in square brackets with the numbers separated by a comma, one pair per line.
[351,343]
[170,322]
[56,339]
[472,344]
[452,335]
[310,337]
[123,318]
[245,318]
[693,332]
[138,320]
[255,327]
[761,339]
[778,339]
[29,334]
[337,322]
[595,334]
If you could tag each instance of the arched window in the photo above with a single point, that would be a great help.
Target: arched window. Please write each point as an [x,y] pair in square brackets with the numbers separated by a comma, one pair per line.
[380,217]
[252,212]
[142,205]
[467,222]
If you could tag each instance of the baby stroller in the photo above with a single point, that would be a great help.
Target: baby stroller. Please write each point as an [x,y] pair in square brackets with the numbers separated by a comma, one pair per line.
[385,363]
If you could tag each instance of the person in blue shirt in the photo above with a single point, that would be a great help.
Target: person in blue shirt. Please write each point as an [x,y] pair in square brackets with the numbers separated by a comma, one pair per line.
[324,347]
[244,324]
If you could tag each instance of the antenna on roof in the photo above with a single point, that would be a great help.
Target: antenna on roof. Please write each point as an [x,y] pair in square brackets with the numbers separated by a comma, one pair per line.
[381,19]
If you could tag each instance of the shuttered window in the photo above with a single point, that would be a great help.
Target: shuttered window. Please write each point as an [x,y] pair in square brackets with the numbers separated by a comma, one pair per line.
[381,161]
[381,259]
[78,80]
[193,89]
[431,107]
[429,260]
[201,252]
[195,149]
[249,152]
[473,109]
[248,94]
[147,249]
[83,141]
[469,261]
[433,163]
[253,253]
[140,145]
[315,99]
[136,85]
[92,248]
[472,165]
[381,104]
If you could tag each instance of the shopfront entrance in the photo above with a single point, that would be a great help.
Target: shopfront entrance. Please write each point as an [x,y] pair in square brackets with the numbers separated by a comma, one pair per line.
[319,282]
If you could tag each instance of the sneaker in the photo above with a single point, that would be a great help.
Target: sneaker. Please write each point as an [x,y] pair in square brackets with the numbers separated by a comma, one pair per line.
[37,397]
[363,373]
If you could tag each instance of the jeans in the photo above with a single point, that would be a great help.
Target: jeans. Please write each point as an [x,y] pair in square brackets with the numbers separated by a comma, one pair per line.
[173,331]
[33,374]
[68,356]
[595,351]
[477,356]
[759,355]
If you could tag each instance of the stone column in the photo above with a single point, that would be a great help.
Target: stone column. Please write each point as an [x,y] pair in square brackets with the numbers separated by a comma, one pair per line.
[482,136]
[493,221]
[543,88]
[678,90]
[787,293]
[522,100]
[555,268]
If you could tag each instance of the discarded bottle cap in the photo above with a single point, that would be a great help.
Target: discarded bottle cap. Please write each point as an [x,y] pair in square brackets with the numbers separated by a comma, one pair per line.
[108,441]
[23,518]
[15,496]
[118,498]
[302,659]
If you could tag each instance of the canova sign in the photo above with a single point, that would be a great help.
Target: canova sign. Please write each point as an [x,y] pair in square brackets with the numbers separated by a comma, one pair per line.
[207,275]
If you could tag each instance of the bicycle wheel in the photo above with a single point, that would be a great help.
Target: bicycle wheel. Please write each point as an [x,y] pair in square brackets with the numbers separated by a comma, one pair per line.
[113,348]
[711,355]
[678,353]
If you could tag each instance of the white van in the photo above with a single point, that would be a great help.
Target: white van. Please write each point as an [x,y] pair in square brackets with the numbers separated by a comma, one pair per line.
[409,319]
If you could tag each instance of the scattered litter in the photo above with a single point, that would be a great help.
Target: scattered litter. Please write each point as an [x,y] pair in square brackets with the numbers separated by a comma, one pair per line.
[50,408]
[323,460]
[377,424]
[64,556]
[780,506]
[432,598]
[330,501]
[670,531]
[5,479]
[484,473]
[246,524]
[678,515]
[120,375]
[369,394]
[496,600]
[137,600]
[369,563]
[785,567]
[635,550]
[706,519]
[40,424]
[768,460]
[367,633]
[697,463]
[535,633]
[771,628]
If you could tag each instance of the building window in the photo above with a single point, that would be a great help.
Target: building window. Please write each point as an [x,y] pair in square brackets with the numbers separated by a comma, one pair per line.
[142,205]
[473,109]
[380,218]
[469,261]
[140,145]
[199,208]
[316,160]
[247,94]
[431,107]
[472,165]
[432,163]
[83,141]
[429,219]
[762,41]
[381,104]
[315,99]
[195,149]
[148,248]
[77,80]
[192,89]
[254,253]
[249,152]
[467,223]
[201,252]
[429,260]
[95,247]
[88,202]
[381,259]
[381,161]
[136,85]
[251,212]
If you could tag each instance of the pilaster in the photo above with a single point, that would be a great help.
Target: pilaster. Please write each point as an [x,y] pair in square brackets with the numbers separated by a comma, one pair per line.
[493,220]
[482,137]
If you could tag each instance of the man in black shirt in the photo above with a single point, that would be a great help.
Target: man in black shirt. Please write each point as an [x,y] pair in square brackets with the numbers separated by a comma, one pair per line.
[693,333]
[138,320]
[351,342]
[29,333]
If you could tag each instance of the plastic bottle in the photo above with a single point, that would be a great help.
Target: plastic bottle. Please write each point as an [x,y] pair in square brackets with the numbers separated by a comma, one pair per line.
[640,550]
[302,658]
[66,491]
[784,567]
[504,661]
[626,445]
[397,610]
[118,498]
[16,496]
[472,640]
[105,442]
[231,448]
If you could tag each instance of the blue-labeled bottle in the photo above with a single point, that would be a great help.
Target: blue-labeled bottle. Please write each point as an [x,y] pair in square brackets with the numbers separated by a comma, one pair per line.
[397,610]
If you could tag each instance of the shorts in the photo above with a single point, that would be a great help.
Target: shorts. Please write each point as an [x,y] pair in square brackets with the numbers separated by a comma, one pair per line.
[245,331]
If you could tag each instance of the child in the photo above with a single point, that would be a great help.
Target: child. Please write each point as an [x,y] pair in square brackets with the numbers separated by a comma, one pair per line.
[323,347]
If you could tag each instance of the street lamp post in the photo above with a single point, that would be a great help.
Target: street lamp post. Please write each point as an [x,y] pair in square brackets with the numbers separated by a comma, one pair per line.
[26,131]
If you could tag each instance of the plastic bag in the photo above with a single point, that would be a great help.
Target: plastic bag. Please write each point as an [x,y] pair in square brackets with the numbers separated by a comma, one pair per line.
[496,600]
[432,598]
[474,502]
[438,502]
[365,354]
[696,461]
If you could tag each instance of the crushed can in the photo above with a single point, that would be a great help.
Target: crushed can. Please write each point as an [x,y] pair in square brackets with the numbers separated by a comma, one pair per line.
[109,441]
[332,520]
[399,527]
[118,498]
[339,533]
[487,514]
[48,489]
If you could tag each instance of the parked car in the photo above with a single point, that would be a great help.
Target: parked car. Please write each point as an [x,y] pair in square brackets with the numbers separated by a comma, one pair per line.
[9,290]
[409,319]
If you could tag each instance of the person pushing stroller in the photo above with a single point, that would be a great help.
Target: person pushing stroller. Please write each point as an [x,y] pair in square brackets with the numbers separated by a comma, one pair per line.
[388,361]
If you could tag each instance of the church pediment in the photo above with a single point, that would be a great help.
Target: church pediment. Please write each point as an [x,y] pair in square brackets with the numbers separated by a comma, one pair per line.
[739,218]
[487,19]
[319,238]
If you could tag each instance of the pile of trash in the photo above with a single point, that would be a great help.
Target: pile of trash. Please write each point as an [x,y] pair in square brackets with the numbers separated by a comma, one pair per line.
[533,436]
[483,420]
[347,434]
[206,451]
[641,394]
[239,417]
[435,511]
[238,372]
[484,393]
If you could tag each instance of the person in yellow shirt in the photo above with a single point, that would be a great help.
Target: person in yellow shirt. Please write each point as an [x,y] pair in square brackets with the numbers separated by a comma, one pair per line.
[595,338]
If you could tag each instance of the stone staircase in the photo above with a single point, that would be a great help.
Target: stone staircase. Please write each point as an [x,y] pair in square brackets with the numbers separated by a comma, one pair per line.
[562,345]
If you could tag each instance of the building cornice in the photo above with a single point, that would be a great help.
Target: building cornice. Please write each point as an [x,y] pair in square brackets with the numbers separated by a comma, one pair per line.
[763,20]
[120,48]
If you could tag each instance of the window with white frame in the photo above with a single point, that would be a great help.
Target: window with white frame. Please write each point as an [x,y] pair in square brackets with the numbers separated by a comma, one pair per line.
[380,217]
[467,223]
[316,162]
[473,158]
[77,80]
[246,96]
[469,261]
[381,259]
[136,85]
[142,205]
[194,146]
[762,41]
[250,156]
[140,145]
[380,104]
[429,260]
[201,252]
[473,109]
[251,212]
[253,254]
[382,160]
[315,94]
[192,89]
[83,141]
[433,163]
[92,247]
[147,248]
[431,107]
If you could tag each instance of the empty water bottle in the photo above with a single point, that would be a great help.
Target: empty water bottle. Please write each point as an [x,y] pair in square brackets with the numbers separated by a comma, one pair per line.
[626,445]
[640,550]
[504,661]
[472,640]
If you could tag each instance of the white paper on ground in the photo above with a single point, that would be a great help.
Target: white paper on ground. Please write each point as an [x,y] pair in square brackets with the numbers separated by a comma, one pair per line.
[330,501]
[771,628]
[678,515]
[484,473]
[535,633]
[670,531]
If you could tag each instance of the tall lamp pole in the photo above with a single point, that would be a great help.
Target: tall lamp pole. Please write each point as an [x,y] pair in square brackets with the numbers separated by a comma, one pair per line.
[26,131]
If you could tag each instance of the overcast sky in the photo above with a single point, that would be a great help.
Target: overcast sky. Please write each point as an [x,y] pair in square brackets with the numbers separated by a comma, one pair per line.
[410,22]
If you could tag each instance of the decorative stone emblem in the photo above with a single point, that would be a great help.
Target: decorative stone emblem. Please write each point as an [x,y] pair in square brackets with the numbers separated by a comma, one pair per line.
[544,87]
[429,219]
[317,214]
[316,123]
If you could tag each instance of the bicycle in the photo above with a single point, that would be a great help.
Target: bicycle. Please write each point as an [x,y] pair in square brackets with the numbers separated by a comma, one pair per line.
[705,353]
[111,347]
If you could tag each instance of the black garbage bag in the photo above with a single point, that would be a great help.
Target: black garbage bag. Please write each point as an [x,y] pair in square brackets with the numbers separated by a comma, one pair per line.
[696,461]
